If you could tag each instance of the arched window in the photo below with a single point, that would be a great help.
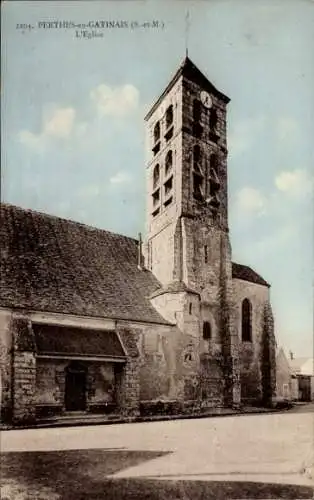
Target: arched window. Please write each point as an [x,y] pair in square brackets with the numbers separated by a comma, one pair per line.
[168,162]
[156,175]
[198,177]
[246,315]
[157,132]
[169,116]
[214,184]
[197,114]
[197,159]
[213,118]
[205,254]
[207,330]
[197,110]
[214,163]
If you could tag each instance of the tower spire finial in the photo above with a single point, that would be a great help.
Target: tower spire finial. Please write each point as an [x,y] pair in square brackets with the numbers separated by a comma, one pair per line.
[187,28]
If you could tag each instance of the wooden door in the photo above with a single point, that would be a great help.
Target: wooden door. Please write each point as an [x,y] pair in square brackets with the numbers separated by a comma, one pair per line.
[75,390]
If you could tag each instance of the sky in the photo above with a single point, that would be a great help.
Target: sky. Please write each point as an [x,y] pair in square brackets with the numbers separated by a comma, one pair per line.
[73,132]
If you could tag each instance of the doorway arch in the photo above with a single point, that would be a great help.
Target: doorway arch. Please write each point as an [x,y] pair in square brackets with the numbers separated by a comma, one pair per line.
[75,386]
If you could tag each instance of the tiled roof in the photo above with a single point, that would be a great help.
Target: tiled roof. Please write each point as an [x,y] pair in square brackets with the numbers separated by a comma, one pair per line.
[247,274]
[192,73]
[57,265]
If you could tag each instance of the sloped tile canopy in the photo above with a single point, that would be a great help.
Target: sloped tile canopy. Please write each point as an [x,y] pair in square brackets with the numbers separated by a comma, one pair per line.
[77,342]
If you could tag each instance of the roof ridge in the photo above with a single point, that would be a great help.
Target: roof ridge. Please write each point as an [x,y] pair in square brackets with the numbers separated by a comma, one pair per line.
[239,271]
[71,221]
[186,65]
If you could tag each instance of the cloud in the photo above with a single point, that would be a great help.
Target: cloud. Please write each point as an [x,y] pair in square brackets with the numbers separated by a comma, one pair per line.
[244,133]
[294,182]
[118,101]
[58,123]
[61,122]
[250,201]
[287,129]
[120,178]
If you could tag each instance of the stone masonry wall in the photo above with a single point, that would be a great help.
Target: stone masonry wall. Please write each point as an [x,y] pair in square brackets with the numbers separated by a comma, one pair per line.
[207,251]
[50,382]
[24,410]
[24,371]
[209,273]
[162,255]
[128,377]
[127,380]
[190,91]
[160,228]
[251,353]
[168,363]
[5,366]
[268,356]
[51,378]
[182,309]
[230,341]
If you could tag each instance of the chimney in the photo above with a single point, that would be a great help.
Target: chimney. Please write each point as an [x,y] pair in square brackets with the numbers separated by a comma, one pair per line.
[139,252]
[291,355]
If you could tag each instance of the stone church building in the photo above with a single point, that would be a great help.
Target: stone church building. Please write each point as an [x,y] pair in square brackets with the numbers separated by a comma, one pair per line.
[96,322]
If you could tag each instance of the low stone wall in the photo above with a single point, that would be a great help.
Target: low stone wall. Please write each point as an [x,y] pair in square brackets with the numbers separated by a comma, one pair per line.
[128,380]
[24,378]
[5,366]
[24,371]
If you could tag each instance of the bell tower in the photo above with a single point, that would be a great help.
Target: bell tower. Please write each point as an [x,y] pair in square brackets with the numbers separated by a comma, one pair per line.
[187,237]
[187,200]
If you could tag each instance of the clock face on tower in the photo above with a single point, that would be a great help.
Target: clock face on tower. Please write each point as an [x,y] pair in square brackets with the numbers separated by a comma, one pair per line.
[206,99]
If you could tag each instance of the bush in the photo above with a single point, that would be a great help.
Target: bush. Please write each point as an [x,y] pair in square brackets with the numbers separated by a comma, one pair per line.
[102,408]
[160,407]
[283,405]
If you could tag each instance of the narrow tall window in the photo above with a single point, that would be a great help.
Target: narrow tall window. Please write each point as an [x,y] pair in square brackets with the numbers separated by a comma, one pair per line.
[168,186]
[190,308]
[246,321]
[205,254]
[198,177]
[156,198]
[197,157]
[169,116]
[207,330]
[157,132]
[197,112]
[213,118]
[214,184]
[169,123]
[156,176]
[156,139]
[197,106]
[168,162]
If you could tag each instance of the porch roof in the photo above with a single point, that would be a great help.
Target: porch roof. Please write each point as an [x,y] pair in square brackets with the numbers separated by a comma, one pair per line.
[68,341]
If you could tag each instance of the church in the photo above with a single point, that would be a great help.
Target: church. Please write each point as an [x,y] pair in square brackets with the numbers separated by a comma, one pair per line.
[94,322]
